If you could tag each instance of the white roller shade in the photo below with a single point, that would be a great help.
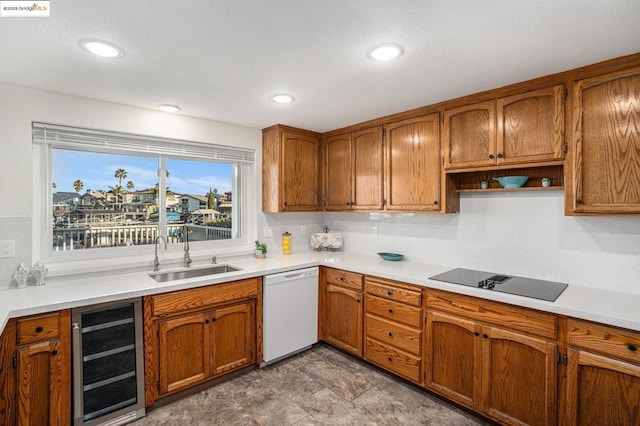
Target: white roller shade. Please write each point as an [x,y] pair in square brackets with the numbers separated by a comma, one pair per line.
[78,138]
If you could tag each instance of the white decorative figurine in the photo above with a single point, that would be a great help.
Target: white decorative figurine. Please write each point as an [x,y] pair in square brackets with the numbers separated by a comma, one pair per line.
[21,275]
[39,273]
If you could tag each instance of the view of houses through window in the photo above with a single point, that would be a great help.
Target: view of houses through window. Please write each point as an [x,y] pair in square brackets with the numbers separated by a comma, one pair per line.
[110,200]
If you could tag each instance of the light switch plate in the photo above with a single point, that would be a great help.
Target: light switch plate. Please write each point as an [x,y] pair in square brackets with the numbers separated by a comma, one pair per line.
[374,231]
[7,248]
[267,232]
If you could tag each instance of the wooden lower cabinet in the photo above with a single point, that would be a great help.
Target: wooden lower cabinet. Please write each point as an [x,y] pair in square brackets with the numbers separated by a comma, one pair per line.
[35,370]
[603,375]
[186,346]
[507,375]
[341,294]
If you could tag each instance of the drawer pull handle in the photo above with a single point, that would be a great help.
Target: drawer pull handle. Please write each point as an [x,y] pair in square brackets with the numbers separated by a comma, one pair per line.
[389,293]
[39,329]
[390,310]
[632,347]
[390,334]
[390,359]
[54,352]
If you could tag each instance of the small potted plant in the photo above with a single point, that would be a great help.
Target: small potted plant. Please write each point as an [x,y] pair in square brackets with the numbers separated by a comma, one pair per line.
[261,250]
[484,184]
[546,182]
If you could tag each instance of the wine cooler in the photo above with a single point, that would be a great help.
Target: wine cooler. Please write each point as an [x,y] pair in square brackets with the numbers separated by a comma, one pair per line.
[108,363]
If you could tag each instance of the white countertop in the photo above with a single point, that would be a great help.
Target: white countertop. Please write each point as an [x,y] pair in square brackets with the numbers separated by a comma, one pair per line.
[613,308]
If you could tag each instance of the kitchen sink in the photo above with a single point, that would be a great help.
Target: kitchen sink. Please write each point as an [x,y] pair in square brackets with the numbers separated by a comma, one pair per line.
[192,273]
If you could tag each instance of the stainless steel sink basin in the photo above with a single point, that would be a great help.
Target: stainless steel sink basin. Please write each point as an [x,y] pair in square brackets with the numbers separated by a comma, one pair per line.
[192,273]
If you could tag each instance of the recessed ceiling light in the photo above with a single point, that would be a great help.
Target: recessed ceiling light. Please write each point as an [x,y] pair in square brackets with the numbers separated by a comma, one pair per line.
[169,108]
[282,98]
[101,48]
[385,51]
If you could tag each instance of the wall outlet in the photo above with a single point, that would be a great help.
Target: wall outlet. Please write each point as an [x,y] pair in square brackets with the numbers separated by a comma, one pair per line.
[7,248]
[267,232]
[374,231]
[303,229]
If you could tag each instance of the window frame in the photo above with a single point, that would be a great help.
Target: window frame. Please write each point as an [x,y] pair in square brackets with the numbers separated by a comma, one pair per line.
[243,181]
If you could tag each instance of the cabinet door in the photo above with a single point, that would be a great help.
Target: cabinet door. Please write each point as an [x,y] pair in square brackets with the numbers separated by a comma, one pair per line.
[453,355]
[338,172]
[8,374]
[367,169]
[470,136]
[300,172]
[343,318]
[531,126]
[41,385]
[183,351]
[518,378]
[232,337]
[413,164]
[602,390]
[607,143]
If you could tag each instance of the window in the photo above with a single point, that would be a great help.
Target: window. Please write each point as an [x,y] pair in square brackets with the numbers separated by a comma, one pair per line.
[110,192]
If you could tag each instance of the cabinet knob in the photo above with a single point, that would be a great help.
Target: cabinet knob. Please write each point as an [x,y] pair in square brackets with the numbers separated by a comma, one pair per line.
[500,155]
[358,300]
[39,329]
[476,334]
[341,278]
[435,202]
[390,310]
[632,347]
[390,334]
[389,293]
[206,321]
[54,352]
[486,336]
[491,157]
[389,359]
[578,201]
[284,203]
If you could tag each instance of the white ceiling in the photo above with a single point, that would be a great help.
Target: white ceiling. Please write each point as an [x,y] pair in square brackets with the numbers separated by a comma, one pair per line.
[222,59]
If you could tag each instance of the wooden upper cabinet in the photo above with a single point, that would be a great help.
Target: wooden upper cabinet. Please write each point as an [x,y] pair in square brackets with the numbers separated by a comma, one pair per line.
[531,126]
[353,170]
[469,136]
[412,164]
[290,170]
[606,161]
[520,129]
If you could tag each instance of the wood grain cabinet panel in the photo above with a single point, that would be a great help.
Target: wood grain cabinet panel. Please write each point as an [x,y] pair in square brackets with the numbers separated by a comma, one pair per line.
[412,164]
[602,390]
[232,337]
[469,135]
[530,127]
[606,138]
[343,318]
[353,170]
[290,170]
[183,351]
[393,359]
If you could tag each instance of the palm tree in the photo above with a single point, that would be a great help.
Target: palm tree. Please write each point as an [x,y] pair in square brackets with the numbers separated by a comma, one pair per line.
[130,185]
[117,191]
[120,174]
[78,185]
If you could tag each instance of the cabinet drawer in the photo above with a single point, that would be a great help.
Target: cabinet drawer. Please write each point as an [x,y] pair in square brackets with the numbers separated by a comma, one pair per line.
[610,341]
[500,314]
[393,359]
[387,290]
[185,300]
[39,328]
[395,311]
[400,336]
[344,278]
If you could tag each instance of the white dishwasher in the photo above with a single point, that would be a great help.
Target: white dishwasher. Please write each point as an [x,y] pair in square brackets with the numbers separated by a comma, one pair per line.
[290,313]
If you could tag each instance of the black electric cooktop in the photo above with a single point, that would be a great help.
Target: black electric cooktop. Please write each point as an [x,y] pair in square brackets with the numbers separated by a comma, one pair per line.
[527,287]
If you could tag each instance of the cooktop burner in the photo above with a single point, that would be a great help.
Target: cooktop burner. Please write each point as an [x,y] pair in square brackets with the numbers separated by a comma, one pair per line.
[527,287]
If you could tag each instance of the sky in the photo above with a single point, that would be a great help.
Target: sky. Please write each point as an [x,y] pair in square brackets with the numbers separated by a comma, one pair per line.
[96,171]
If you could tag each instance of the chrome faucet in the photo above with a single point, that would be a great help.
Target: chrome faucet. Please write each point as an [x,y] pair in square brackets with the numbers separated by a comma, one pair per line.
[187,259]
[156,262]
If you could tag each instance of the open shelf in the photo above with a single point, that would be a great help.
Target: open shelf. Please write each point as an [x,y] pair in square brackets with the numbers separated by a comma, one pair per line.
[469,181]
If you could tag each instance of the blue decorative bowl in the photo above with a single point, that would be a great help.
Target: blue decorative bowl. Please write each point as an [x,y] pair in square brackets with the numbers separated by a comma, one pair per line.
[391,256]
[511,181]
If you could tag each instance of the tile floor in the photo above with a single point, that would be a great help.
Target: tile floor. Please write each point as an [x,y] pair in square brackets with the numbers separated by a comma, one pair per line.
[321,386]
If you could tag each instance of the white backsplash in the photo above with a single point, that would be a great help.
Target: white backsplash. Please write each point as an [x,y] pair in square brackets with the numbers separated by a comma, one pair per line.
[292,223]
[514,233]
[19,230]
